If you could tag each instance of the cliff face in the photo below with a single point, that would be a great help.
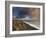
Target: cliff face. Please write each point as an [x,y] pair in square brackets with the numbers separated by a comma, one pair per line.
[35,14]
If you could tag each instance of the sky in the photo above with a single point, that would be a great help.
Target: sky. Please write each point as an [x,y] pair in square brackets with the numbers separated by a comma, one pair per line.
[19,11]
